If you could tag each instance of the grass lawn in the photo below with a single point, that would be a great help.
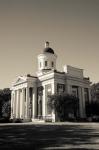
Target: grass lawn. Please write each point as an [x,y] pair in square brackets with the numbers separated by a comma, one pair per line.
[49,136]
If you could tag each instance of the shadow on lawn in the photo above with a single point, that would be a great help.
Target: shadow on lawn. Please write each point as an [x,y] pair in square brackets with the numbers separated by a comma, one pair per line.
[36,137]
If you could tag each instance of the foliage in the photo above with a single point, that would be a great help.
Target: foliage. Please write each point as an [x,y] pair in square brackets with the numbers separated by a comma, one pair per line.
[95,108]
[6,109]
[17,120]
[95,92]
[5,97]
[64,104]
[88,109]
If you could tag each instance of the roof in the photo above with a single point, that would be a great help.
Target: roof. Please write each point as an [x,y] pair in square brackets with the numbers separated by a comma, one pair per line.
[48,50]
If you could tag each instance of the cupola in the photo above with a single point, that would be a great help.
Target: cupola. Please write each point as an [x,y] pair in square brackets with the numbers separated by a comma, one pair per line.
[47,59]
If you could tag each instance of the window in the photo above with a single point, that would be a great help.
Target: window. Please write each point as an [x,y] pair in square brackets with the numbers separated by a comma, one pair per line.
[60,88]
[40,90]
[75,91]
[45,63]
[52,64]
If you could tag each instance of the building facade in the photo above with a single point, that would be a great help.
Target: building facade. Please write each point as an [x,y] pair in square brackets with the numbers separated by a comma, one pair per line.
[29,97]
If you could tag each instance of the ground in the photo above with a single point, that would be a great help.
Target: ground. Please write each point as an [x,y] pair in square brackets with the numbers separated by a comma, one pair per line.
[35,136]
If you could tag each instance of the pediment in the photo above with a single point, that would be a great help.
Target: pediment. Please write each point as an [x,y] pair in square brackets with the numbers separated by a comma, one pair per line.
[20,80]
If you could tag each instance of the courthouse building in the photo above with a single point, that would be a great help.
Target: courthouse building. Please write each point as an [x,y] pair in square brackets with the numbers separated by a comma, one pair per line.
[29,97]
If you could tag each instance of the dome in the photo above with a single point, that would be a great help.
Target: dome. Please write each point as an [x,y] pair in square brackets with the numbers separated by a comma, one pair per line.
[48,50]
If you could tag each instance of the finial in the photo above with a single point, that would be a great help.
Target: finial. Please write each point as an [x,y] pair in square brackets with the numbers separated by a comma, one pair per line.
[46,44]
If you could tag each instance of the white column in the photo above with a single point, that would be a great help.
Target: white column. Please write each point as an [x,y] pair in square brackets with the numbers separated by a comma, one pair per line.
[53,116]
[18,105]
[34,104]
[14,105]
[43,102]
[23,103]
[12,101]
[54,90]
[69,89]
[27,103]
[54,87]
[16,99]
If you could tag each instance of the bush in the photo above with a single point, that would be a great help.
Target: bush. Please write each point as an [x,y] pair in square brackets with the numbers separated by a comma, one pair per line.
[4,120]
[17,120]
[64,105]
[95,118]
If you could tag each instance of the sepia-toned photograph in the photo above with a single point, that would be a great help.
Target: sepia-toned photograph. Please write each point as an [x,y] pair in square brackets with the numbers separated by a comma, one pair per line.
[49,74]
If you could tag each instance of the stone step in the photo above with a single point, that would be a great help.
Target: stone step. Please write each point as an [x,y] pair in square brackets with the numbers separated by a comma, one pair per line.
[38,120]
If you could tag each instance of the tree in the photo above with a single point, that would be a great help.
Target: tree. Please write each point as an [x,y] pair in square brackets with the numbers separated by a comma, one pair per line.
[6,109]
[95,92]
[65,106]
[5,97]
[94,106]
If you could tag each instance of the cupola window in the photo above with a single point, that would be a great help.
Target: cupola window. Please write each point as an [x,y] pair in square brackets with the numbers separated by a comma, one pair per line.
[45,63]
[52,64]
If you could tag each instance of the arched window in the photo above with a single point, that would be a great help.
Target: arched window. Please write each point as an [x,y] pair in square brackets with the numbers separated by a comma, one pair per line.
[52,64]
[45,63]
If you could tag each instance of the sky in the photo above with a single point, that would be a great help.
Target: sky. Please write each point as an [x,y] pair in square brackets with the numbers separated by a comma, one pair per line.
[71,27]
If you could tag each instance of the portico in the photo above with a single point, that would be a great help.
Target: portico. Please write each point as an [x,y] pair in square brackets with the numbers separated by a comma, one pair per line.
[23,98]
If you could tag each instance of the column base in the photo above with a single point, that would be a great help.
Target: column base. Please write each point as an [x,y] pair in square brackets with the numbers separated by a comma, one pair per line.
[38,120]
